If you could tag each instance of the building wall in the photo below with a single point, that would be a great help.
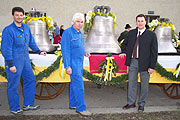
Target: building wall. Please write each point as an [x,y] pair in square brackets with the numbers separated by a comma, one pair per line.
[125,10]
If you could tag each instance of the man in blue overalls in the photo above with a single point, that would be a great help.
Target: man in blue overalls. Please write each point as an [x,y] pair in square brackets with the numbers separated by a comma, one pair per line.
[16,39]
[72,47]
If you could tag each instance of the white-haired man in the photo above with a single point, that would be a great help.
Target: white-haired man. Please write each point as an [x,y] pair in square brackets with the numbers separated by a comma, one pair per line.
[72,48]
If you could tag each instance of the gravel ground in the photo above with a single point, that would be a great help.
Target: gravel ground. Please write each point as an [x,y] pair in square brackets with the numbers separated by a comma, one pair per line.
[172,115]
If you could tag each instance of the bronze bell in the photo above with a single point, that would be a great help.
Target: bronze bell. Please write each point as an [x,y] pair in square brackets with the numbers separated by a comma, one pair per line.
[164,37]
[40,32]
[101,37]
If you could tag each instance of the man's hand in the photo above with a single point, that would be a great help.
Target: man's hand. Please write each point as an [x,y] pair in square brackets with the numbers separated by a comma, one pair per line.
[13,69]
[87,54]
[69,71]
[150,70]
[43,53]
[122,55]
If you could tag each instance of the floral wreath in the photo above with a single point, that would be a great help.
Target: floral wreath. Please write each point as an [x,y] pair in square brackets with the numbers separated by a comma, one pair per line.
[107,68]
[47,20]
[155,23]
[90,17]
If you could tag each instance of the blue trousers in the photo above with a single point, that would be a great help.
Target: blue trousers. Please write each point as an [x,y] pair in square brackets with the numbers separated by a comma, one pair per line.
[23,67]
[76,88]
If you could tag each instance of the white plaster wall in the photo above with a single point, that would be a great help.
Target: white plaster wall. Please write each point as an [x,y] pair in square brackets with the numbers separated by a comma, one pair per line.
[125,10]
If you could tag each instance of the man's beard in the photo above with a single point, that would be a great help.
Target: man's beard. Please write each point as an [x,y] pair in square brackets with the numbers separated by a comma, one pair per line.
[18,21]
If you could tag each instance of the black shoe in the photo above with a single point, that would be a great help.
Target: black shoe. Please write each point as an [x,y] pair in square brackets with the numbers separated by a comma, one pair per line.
[129,106]
[140,108]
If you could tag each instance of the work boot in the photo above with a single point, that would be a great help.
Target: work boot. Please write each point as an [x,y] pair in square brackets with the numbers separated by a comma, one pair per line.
[84,113]
[31,107]
[17,112]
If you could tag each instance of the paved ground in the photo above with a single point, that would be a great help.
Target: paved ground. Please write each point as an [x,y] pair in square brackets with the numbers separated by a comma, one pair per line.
[107,99]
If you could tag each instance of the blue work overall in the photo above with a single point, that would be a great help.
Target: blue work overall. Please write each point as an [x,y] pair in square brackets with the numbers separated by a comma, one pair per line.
[14,48]
[72,47]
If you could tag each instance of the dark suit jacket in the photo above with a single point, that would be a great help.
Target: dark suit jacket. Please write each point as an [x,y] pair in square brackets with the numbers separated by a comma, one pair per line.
[122,36]
[148,49]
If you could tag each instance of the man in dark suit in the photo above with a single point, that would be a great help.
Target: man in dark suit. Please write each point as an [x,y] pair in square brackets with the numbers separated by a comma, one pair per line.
[124,33]
[141,50]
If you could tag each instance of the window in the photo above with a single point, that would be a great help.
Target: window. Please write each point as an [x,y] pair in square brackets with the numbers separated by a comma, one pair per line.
[149,18]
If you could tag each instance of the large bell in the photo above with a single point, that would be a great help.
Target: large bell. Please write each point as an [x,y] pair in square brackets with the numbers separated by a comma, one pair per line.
[101,37]
[40,32]
[164,36]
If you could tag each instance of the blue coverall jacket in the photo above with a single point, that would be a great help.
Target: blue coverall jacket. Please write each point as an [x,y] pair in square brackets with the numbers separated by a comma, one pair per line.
[14,48]
[72,48]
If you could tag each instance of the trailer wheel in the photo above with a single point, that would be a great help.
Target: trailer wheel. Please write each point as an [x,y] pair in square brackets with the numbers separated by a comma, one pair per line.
[172,90]
[47,91]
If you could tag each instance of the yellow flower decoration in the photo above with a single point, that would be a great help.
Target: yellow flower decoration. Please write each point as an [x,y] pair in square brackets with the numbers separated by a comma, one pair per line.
[163,24]
[90,17]
[47,20]
[171,25]
[155,23]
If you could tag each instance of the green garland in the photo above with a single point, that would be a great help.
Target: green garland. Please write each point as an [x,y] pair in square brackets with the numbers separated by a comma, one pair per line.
[164,73]
[2,72]
[45,73]
[96,79]
[115,80]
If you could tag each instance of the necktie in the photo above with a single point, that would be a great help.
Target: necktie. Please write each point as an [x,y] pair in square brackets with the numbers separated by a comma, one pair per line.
[135,46]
